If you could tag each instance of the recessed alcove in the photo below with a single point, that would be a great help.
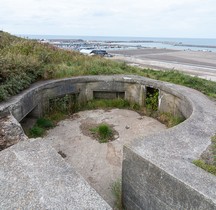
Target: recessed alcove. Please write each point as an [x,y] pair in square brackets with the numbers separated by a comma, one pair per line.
[108,95]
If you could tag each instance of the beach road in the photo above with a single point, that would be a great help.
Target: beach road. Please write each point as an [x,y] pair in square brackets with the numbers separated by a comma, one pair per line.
[197,63]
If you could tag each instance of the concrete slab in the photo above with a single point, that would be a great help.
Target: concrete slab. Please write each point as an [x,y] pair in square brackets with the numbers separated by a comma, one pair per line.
[34,176]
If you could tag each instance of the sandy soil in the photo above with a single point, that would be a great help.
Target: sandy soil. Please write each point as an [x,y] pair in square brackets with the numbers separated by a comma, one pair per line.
[100,164]
[202,64]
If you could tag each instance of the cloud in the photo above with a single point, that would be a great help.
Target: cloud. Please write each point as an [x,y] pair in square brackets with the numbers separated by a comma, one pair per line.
[193,18]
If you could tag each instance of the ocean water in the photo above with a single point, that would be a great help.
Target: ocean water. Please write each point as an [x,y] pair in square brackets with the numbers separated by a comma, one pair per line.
[196,44]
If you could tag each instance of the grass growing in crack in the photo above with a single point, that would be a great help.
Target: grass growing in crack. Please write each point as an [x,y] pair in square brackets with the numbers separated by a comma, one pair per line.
[103,133]
[168,119]
[206,165]
[209,168]
[117,193]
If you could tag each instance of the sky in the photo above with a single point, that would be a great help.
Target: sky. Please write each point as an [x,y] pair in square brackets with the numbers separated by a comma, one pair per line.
[139,18]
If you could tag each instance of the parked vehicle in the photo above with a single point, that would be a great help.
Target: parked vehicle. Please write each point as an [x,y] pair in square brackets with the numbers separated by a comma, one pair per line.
[91,52]
[99,52]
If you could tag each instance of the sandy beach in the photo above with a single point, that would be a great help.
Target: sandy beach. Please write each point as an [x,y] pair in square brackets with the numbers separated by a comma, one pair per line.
[197,63]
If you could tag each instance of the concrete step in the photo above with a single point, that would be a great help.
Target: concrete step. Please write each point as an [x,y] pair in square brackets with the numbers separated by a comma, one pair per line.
[34,176]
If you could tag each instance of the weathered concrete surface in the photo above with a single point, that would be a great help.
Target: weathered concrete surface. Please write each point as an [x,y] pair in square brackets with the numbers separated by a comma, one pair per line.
[100,164]
[34,176]
[36,98]
[157,167]
[169,103]
[158,172]
[11,132]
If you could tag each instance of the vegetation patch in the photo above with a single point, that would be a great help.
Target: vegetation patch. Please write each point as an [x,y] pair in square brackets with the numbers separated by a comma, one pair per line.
[23,62]
[103,133]
[168,119]
[151,101]
[40,127]
[208,158]
[66,106]
[108,103]
[117,193]
[209,168]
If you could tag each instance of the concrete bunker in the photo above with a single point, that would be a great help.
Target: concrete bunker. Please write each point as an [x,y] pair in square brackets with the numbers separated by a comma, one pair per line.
[167,180]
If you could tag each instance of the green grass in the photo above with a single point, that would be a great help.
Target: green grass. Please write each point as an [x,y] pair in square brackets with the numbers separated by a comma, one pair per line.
[55,116]
[40,127]
[211,166]
[36,131]
[117,193]
[23,62]
[44,123]
[106,103]
[103,132]
[61,109]
[205,86]
[168,119]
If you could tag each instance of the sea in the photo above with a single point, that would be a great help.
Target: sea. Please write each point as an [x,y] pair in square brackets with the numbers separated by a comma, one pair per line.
[193,44]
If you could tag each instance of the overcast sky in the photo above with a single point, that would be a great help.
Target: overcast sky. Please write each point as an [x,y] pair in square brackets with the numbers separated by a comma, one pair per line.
[141,18]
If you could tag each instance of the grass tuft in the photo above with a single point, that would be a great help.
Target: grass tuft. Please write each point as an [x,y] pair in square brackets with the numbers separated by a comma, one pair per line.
[103,133]
[36,131]
[117,192]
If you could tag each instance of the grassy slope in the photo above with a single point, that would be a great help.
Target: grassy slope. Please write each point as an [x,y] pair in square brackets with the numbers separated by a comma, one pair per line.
[23,62]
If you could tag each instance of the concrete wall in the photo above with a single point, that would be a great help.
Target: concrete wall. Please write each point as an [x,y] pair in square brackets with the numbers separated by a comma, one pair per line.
[36,99]
[157,170]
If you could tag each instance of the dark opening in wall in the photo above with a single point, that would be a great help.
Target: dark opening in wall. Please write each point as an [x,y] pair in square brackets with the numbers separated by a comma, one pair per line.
[29,120]
[151,101]
[108,95]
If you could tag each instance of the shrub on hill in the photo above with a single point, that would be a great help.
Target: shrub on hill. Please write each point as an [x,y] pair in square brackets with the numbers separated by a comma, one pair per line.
[23,61]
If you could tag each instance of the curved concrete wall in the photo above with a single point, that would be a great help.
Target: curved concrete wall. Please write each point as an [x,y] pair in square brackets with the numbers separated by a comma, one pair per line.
[37,97]
[157,170]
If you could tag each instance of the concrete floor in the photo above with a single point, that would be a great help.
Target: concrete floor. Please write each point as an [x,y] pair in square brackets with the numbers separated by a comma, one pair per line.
[100,163]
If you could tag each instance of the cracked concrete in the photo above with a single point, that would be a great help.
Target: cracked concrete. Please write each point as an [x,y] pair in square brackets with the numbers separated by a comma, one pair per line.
[100,163]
